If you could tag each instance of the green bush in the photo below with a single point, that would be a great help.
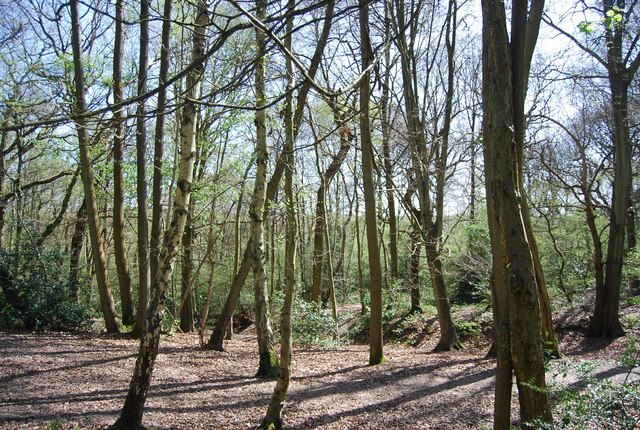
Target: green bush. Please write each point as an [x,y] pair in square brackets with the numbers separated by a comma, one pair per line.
[471,268]
[35,291]
[313,325]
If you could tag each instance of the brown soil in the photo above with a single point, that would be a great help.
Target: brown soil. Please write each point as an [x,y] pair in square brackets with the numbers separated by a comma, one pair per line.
[80,380]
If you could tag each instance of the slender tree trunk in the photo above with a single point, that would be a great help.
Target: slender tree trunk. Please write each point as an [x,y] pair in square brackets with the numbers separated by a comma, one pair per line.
[320,228]
[274,411]
[131,415]
[141,173]
[268,366]
[376,355]
[3,175]
[634,282]
[158,142]
[361,292]
[122,265]
[100,260]
[63,209]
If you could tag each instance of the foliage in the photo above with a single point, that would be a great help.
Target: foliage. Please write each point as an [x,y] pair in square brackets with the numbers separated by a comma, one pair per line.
[41,291]
[597,403]
[313,325]
[472,266]
[467,328]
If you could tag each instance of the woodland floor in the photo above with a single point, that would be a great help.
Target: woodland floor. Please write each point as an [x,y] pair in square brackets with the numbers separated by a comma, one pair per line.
[80,380]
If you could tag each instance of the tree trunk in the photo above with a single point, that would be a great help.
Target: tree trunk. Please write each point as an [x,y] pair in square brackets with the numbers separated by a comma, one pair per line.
[131,415]
[414,271]
[158,142]
[100,260]
[320,228]
[268,366]
[141,173]
[375,270]
[122,265]
[274,411]
[187,324]
[511,251]
[634,282]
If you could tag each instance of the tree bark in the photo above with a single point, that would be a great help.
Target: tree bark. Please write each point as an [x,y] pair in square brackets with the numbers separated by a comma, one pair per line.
[269,362]
[122,265]
[376,355]
[158,142]
[99,257]
[141,173]
[516,308]
[187,322]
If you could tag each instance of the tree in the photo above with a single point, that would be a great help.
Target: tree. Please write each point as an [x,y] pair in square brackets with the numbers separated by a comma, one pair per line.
[268,364]
[621,64]
[95,230]
[274,411]
[376,355]
[141,172]
[122,265]
[514,289]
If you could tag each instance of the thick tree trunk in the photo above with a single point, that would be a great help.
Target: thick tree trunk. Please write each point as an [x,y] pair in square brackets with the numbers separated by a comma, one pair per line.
[376,355]
[99,257]
[605,321]
[131,415]
[122,265]
[508,231]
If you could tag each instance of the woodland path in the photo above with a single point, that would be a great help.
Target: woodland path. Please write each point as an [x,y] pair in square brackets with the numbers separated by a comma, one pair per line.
[81,380]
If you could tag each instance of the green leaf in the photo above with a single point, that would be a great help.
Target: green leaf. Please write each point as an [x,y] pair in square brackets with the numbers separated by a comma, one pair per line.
[587,27]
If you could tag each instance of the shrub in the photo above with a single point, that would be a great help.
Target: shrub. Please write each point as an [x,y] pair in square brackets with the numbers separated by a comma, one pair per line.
[35,291]
[313,325]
